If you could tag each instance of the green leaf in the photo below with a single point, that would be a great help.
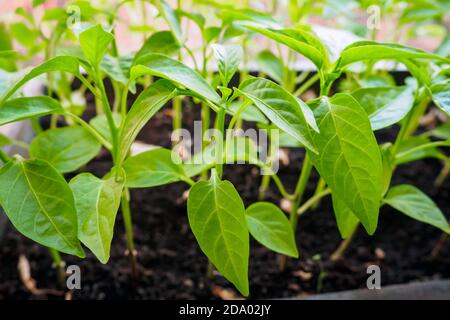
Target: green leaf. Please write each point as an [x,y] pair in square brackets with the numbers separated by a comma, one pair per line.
[283,109]
[417,205]
[345,218]
[150,101]
[159,42]
[117,68]
[40,205]
[170,69]
[66,149]
[270,227]
[100,123]
[301,41]
[60,63]
[94,42]
[371,50]
[217,219]
[271,65]
[24,34]
[153,168]
[228,57]
[96,201]
[172,20]
[385,105]
[251,113]
[26,108]
[440,94]
[349,157]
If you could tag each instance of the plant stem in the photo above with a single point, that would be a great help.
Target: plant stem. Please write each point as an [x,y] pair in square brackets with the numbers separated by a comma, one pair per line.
[439,246]
[300,190]
[311,202]
[443,174]
[305,86]
[91,130]
[265,181]
[59,265]
[126,213]
[340,251]
[4,157]
[320,187]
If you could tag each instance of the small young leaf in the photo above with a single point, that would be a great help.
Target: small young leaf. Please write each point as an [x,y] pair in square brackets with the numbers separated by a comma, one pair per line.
[66,149]
[159,42]
[94,42]
[417,205]
[27,108]
[170,69]
[217,219]
[40,204]
[270,227]
[349,157]
[150,101]
[153,168]
[385,106]
[96,201]
[228,57]
[172,20]
[440,93]
[280,107]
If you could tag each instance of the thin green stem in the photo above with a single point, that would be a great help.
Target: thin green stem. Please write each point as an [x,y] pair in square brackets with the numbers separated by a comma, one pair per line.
[312,201]
[91,130]
[306,85]
[320,187]
[281,187]
[220,125]
[59,265]
[340,251]
[4,156]
[265,182]
[300,190]
[126,213]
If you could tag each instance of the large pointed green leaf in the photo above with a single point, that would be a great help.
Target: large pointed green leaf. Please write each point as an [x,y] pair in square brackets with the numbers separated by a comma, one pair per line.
[153,168]
[349,157]
[94,42]
[271,65]
[440,93]
[217,218]
[280,107]
[170,69]
[40,204]
[417,205]
[61,63]
[270,227]
[301,41]
[386,105]
[150,101]
[96,201]
[371,50]
[26,108]
[66,149]
[228,57]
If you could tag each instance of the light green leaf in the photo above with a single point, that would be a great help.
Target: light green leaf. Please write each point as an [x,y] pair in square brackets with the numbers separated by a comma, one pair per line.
[410,150]
[117,68]
[442,132]
[349,157]
[385,105]
[280,107]
[251,113]
[170,69]
[345,218]
[94,42]
[440,93]
[200,161]
[228,57]
[26,108]
[66,149]
[96,201]
[217,219]
[60,63]
[40,205]
[172,19]
[150,101]
[153,168]
[301,41]
[417,205]
[271,65]
[159,42]
[371,50]
[270,227]
[100,123]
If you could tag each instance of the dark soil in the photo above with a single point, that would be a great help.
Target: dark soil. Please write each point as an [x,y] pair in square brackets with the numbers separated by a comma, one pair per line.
[172,266]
